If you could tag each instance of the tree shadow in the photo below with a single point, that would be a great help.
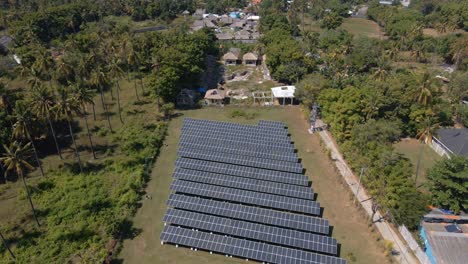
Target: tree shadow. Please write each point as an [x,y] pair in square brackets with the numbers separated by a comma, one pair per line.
[128,231]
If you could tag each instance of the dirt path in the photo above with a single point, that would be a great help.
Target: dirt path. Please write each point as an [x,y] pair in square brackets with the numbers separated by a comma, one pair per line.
[402,253]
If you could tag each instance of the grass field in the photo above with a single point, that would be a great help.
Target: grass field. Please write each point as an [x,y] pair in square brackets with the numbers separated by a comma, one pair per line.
[411,149]
[350,228]
[363,27]
[356,26]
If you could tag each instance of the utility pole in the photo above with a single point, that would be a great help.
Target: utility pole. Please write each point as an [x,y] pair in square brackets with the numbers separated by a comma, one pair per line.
[359,184]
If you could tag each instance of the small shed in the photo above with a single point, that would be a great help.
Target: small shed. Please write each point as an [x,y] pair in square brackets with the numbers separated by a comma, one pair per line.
[282,93]
[250,59]
[215,97]
[232,56]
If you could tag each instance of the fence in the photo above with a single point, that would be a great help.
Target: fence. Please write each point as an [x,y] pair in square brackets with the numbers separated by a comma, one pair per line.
[414,246]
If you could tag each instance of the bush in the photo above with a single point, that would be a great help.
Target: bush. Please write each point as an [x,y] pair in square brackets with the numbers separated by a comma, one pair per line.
[242,113]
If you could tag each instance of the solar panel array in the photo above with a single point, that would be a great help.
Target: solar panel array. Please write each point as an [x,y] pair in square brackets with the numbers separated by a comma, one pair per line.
[239,190]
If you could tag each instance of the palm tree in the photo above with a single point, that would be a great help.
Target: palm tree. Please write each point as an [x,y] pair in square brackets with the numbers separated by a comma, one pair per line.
[21,128]
[98,79]
[132,61]
[6,100]
[430,124]
[66,107]
[382,70]
[14,159]
[64,70]
[7,247]
[124,47]
[34,78]
[459,49]
[44,63]
[42,101]
[393,50]
[418,53]
[116,73]
[425,88]
[84,96]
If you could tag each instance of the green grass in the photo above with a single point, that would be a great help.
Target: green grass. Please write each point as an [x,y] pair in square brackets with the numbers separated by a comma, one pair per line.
[412,149]
[362,27]
[356,26]
[350,228]
[17,222]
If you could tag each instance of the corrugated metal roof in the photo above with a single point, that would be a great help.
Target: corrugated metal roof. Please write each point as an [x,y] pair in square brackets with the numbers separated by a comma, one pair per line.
[455,139]
[283,91]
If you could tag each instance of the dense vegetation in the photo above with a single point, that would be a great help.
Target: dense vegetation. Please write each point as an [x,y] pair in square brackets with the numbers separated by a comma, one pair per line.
[77,61]
[366,97]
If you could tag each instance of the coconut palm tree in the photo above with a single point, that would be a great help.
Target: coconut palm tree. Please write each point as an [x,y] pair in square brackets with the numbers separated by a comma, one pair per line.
[66,107]
[7,247]
[42,102]
[84,96]
[430,124]
[98,79]
[6,100]
[34,78]
[64,70]
[15,160]
[116,73]
[21,128]
[425,88]
[44,63]
[132,61]
[393,51]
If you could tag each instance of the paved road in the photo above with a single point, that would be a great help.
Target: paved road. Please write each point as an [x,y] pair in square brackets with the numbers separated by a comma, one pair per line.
[402,252]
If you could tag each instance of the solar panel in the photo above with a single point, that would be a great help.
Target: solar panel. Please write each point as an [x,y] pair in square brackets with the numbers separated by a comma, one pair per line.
[240,150]
[271,124]
[241,160]
[244,183]
[259,132]
[250,213]
[239,137]
[241,171]
[247,197]
[231,126]
[207,139]
[243,248]
[260,232]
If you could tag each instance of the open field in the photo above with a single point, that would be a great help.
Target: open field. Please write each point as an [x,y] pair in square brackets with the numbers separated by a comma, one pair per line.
[356,26]
[350,228]
[411,148]
[362,27]
[434,33]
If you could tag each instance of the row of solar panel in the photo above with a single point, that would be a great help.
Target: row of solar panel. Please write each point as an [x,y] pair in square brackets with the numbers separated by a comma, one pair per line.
[250,213]
[284,143]
[236,133]
[244,183]
[241,160]
[227,125]
[271,124]
[260,232]
[240,150]
[247,197]
[241,171]
[243,248]
[207,139]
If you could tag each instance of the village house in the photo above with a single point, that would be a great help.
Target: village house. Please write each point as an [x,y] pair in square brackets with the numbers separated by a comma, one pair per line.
[250,59]
[232,57]
[215,97]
